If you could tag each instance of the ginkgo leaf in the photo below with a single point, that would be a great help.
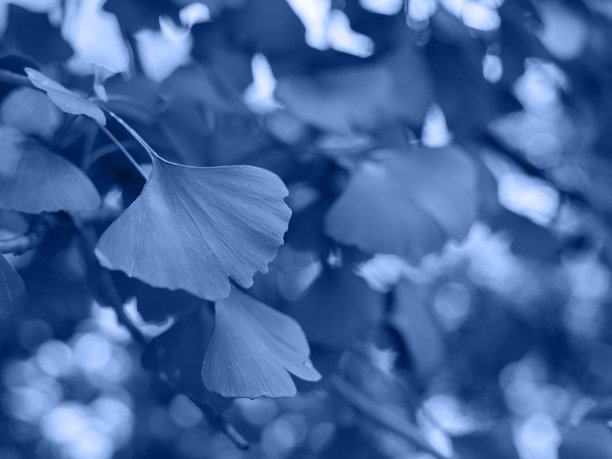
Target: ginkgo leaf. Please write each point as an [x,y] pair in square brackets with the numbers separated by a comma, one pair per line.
[195,227]
[407,204]
[66,100]
[11,284]
[33,180]
[253,349]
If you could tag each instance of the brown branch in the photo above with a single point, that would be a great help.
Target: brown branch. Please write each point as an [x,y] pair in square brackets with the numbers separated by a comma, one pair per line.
[104,286]
[383,417]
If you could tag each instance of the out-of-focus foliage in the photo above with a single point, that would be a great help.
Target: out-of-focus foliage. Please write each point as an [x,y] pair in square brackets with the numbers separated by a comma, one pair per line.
[436,282]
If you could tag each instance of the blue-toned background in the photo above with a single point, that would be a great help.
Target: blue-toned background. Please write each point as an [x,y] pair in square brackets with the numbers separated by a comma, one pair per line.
[448,256]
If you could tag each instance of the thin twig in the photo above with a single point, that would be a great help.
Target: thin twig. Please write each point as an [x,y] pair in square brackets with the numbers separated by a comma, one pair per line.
[32,238]
[383,417]
[101,152]
[15,79]
[107,291]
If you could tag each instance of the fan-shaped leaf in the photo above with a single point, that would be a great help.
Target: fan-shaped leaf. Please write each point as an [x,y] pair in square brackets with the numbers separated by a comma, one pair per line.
[11,284]
[65,99]
[407,204]
[194,227]
[32,179]
[253,349]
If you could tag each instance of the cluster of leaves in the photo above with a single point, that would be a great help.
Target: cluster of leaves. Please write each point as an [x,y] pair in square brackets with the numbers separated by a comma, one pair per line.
[247,231]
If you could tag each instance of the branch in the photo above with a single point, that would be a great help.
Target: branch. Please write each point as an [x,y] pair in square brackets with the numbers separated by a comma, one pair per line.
[104,285]
[383,417]
[32,238]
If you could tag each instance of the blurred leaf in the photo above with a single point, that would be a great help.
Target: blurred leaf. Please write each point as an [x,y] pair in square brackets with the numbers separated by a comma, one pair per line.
[362,97]
[419,332]
[35,180]
[201,84]
[467,87]
[408,204]
[272,28]
[253,349]
[524,12]
[529,239]
[65,99]
[601,412]
[193,228]
[497,443]
[338,308]
[589,440]
[11,284]
[31,112]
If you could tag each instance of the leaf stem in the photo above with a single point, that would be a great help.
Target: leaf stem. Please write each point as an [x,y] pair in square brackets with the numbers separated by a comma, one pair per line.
[132,132]
[123,150]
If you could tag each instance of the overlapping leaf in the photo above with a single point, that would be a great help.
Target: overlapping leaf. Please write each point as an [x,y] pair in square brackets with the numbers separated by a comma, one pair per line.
[31,112]
[253,349]
[195,227]
[66,100]
[11,284]
[417,330]
[408,204]
[33,180]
